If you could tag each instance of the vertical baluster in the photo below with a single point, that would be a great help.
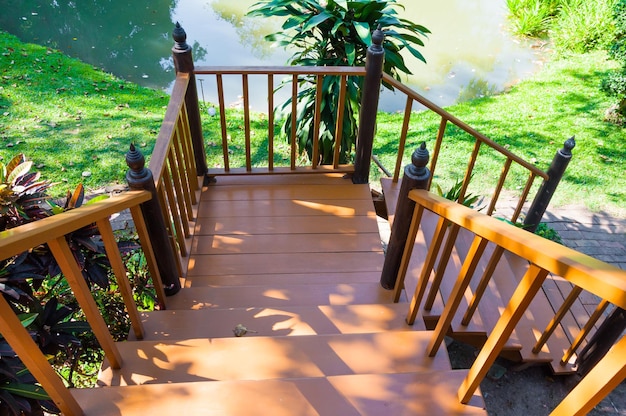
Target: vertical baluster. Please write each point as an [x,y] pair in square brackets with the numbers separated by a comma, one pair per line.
[270,121]
[177,194]
[246,122]
[469,172]
[119,270]
[403,133]
[188,154]
[319,92]
[582,335]
[440,133]
[406,255]
[496,193]
[442,265]
[462,282]
[176,218]
[188,193]
[220,100]
[427,268]
[151,261]
[521,298]
[522,199]
[556,320]
[294,119]
[341,110]
[64,257]
[482,284]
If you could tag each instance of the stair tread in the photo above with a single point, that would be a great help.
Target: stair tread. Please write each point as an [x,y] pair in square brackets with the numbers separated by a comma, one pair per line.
[270,279]
[370,394]
[255,358]
[280,321]
[279,295]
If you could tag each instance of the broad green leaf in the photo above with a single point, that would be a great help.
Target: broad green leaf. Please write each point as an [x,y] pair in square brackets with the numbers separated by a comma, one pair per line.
[27,318]
[30,391]
[364,32]
[350,53]
[96,199]
[316,20]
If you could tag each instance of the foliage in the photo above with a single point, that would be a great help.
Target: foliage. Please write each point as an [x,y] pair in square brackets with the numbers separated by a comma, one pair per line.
[33,285]
[22,193]
[542,230]
[454,194]
[583,25]
[614,83]
[532,18]
[573,25]
[333,33]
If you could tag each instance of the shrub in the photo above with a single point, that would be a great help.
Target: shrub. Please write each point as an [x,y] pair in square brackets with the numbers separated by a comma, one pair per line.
[614,83]
[332,33]
[583,25]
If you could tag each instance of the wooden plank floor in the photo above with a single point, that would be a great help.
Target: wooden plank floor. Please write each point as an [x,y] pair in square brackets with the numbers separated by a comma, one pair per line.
[306,228]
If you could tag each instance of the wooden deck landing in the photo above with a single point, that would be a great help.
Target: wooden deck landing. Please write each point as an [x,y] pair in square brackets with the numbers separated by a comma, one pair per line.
[296,260]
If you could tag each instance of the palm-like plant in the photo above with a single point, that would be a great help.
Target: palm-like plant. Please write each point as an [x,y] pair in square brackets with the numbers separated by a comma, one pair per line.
[333,33]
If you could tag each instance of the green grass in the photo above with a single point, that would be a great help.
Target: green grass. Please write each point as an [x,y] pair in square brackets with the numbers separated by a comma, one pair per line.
[69,118]
[533,120]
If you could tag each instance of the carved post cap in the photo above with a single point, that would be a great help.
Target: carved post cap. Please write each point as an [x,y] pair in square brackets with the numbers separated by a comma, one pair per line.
[568,146]
[137,176]
[377,39]
[180,38]
[417,170]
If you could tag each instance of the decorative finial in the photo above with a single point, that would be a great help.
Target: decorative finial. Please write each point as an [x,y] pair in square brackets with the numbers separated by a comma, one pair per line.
[137,173]
[180,37]
[420,156]
[377,38]
[568,146]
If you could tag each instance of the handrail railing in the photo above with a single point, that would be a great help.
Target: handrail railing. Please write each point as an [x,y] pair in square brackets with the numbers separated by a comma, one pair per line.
[52,231]
[293,75]
[480,140]
[172,178]
[544,257]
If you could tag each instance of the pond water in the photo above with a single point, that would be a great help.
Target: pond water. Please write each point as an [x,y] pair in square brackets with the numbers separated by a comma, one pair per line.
[469,53]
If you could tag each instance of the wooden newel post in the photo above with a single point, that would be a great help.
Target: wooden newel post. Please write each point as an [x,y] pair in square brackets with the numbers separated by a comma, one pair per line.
[369,107]
[183,62]
[544,195]
[140,178]
[416,176]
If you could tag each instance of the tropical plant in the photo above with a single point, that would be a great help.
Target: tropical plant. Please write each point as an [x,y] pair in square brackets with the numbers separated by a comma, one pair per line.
[532,18]
[614,83]
[454,194]
[334,33]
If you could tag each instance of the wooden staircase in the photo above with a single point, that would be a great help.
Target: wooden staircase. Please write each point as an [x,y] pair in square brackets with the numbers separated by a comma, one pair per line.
[296,261]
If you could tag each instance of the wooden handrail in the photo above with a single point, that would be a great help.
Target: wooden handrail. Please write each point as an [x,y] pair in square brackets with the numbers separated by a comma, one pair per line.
[462,125]
[52,231]
[545,256]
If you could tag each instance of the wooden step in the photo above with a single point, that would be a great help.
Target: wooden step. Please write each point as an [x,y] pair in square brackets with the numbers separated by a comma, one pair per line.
[347,395]
[279,296]
[257,358]
[283,321]
[285,263]
[274,279]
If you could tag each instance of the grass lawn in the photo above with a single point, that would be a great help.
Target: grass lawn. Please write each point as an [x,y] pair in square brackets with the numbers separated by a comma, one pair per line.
[70,118]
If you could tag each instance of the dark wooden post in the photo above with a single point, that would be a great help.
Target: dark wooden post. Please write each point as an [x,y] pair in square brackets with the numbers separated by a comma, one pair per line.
[140,178]
[369,107]
[544,195]
[607,334]
[416,176]
[183,62]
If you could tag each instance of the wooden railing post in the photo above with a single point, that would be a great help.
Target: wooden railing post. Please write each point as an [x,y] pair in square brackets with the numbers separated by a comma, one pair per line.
[544,195]
[140,178]
[416,176]
[369,107]
[183,62]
